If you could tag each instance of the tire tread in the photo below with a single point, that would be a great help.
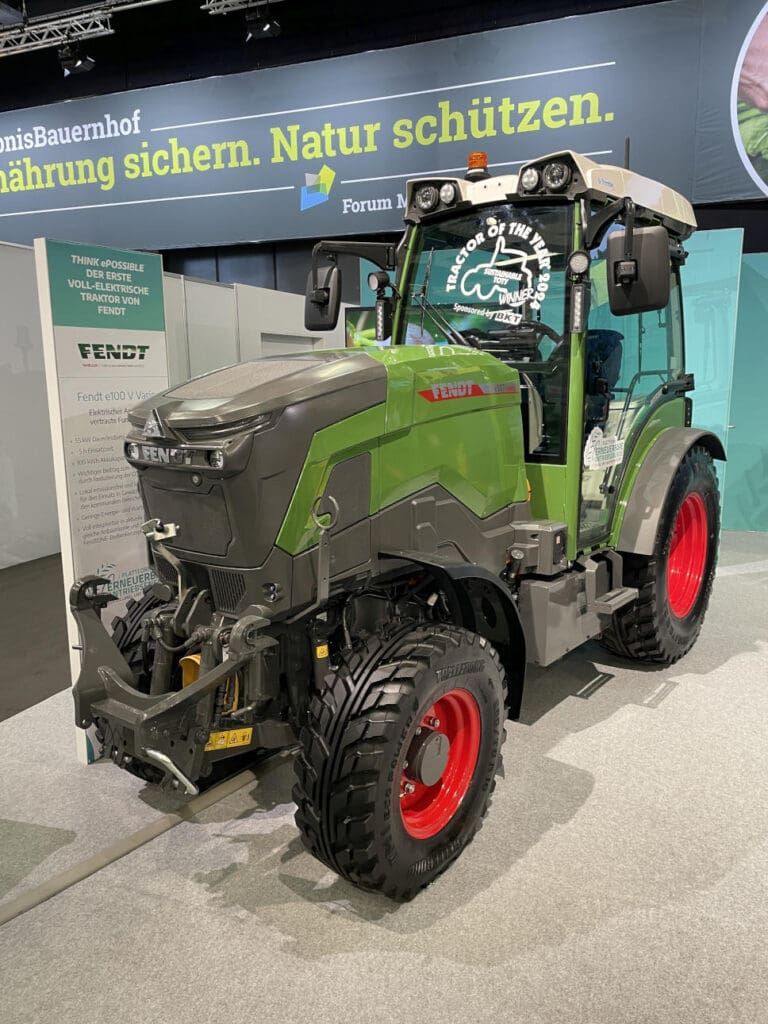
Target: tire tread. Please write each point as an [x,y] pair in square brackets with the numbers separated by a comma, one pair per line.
[336,775]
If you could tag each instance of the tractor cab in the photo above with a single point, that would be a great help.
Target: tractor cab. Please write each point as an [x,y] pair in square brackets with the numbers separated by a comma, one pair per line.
[567,272]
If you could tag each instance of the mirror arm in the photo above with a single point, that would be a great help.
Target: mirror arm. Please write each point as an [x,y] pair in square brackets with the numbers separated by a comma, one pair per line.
[597,226]
[629,227]
[381,253]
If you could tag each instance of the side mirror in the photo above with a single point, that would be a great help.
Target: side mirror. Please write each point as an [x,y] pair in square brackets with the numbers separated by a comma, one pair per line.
[323,300]
[638,281]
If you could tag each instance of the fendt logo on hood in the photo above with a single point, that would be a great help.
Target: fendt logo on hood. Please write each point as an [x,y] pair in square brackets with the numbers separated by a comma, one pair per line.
[466,389]
[89,350]
[154,425]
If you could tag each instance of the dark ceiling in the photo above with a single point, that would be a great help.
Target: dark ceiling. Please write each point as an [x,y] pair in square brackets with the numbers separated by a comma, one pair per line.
[176,41]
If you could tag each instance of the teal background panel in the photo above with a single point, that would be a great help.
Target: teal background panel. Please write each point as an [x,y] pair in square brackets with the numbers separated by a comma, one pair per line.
[710,306]
[746,493]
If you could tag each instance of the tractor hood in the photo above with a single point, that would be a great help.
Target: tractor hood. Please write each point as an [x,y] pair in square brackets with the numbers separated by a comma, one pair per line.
[236,394]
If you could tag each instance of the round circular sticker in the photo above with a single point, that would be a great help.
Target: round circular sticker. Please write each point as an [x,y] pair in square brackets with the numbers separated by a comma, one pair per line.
[508,264]
[749,101]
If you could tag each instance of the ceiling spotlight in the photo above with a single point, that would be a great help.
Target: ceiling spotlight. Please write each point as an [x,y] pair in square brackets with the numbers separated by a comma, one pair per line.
[10,13]
[261,26]
[73,61]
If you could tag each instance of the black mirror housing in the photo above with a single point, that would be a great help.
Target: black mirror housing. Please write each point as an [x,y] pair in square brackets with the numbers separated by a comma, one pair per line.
[639,282]
[323,299]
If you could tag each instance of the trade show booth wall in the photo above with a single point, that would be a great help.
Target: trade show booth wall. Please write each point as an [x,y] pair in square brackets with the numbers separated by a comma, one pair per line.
[208,325]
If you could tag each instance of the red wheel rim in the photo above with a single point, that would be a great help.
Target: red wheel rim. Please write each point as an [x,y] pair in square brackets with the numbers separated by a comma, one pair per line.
[687,555]
[425,809]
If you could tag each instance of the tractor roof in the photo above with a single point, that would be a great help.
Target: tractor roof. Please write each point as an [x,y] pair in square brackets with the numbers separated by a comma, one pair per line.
[587,178]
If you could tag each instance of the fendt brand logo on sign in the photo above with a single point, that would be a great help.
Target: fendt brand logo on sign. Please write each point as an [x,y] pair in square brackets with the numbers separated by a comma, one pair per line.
[466,389]
[93,350]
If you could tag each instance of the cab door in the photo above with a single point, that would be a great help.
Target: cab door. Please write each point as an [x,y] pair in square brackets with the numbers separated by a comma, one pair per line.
[630,362]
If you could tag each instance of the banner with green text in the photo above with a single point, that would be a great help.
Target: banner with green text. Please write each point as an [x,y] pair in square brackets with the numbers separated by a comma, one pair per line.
[325,148]
[104,345]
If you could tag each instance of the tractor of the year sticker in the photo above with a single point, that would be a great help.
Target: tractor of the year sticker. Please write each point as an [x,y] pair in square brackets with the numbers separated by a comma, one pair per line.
[515,274]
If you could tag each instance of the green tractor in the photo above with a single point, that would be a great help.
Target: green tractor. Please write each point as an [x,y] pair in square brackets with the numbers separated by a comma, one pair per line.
[360,551]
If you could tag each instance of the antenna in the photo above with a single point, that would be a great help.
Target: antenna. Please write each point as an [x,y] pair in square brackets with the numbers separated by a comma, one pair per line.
[626,153]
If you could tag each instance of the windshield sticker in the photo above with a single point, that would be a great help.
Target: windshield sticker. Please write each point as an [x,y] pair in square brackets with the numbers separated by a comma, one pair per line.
[466,389]
[516,274]
[600,451]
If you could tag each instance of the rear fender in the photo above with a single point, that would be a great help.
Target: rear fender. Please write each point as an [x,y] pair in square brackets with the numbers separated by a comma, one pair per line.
[646,500]
[482,603]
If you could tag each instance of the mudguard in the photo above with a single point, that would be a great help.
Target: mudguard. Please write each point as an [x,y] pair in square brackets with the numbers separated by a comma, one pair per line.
[454,578]
[648,495]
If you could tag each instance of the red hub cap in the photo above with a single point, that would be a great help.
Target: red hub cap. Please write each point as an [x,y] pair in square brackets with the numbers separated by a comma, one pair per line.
[441,761]
[687,555]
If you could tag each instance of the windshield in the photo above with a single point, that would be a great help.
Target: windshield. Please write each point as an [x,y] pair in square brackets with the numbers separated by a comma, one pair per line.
[494,279]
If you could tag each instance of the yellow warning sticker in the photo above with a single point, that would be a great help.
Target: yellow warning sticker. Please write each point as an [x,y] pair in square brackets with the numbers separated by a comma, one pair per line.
[321,651]
[230,738]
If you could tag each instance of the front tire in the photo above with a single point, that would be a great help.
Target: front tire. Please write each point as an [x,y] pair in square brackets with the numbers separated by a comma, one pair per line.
[675,583]
[399,758]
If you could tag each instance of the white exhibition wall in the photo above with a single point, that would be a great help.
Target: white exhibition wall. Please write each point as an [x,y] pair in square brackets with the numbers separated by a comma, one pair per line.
[208,325]
[28,524]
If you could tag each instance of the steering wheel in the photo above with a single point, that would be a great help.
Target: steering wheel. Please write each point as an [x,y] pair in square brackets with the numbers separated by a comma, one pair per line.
[475,336]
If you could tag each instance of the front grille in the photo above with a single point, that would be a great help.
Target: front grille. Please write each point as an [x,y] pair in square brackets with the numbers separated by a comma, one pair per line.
[228,589]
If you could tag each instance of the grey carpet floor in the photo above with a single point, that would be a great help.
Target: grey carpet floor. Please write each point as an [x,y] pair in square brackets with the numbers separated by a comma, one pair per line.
[621,876]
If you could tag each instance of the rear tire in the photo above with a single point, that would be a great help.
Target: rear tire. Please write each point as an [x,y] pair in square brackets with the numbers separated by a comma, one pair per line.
[675,583]
[388,824]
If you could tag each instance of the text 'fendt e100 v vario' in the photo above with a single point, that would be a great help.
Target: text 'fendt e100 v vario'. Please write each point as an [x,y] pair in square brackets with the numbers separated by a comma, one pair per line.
[360,550]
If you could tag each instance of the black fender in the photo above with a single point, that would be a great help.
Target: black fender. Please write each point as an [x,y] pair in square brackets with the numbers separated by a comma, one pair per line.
[649,492]
[459,579]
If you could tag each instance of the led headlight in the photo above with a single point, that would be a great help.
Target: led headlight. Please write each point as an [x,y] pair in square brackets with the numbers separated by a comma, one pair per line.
[529,179]
[578,262]
[216,459]
[132,450]
[427,198]
[556,176]
[447,193]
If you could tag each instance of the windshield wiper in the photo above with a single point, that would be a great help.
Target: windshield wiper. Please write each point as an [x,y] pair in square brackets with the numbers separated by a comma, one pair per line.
[435,314]
[425,285]
[441,321]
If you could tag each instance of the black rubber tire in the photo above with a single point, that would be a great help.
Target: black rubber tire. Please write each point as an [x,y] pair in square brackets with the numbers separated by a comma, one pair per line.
[126,629]
[354,743]
[648,630]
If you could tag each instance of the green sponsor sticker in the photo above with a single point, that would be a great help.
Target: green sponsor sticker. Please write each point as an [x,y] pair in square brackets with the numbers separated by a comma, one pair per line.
[92,286]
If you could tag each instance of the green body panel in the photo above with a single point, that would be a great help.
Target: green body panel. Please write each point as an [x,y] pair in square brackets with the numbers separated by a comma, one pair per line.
[470,444]
[340,441]
[548,491]
[668,414]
